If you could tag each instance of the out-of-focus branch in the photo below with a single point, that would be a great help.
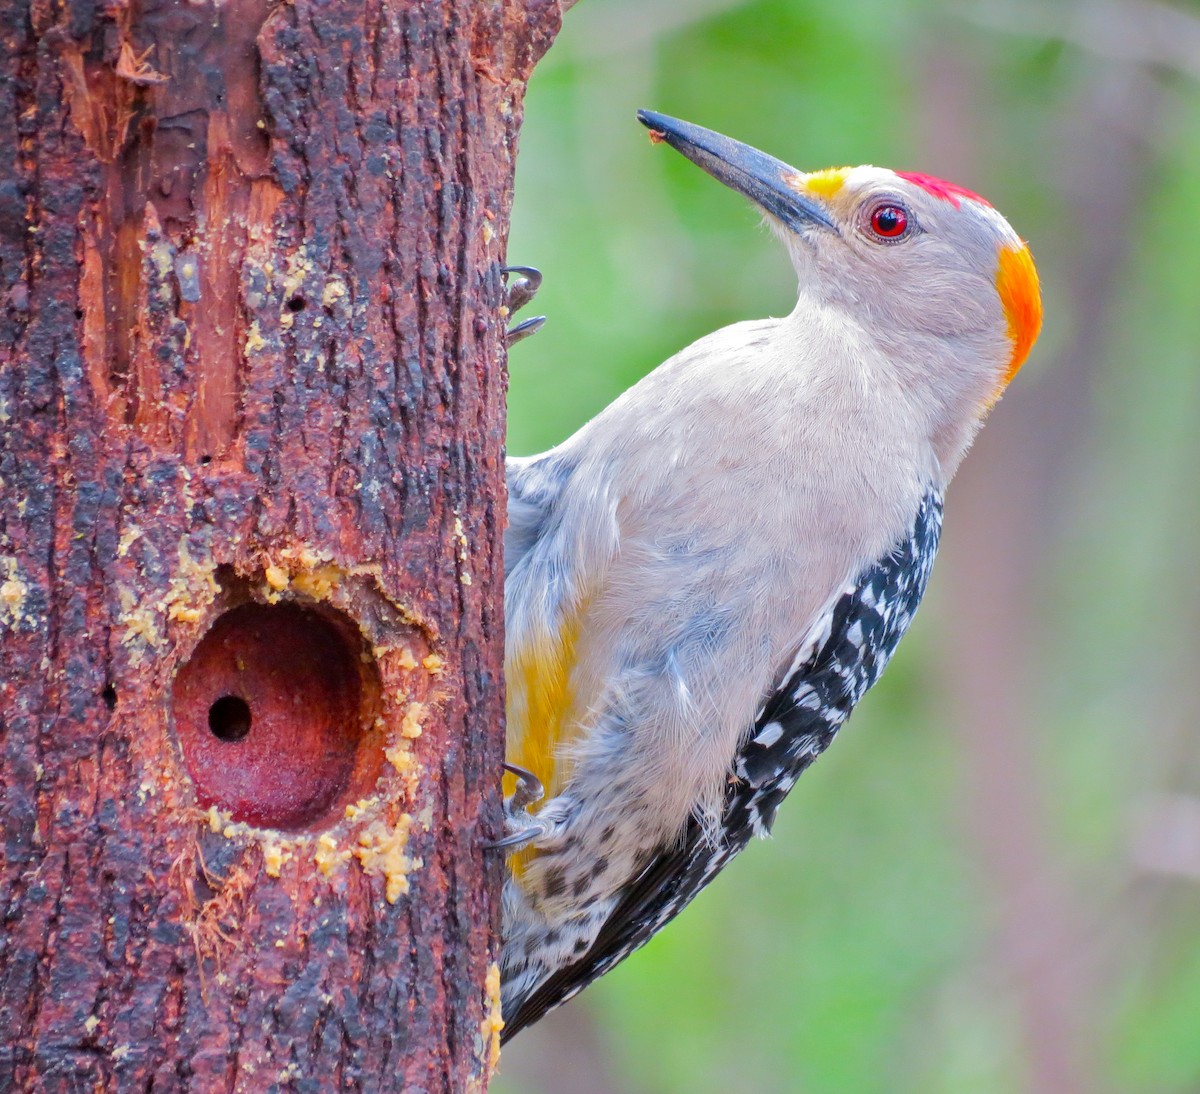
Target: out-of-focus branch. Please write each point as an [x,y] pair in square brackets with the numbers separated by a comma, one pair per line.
[625,26]
[1003,510]
[1138,33]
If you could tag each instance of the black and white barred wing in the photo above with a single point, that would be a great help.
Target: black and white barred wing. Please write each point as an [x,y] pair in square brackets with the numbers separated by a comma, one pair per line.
[795,725]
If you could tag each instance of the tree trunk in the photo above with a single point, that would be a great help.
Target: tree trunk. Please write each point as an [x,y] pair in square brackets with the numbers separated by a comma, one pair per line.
[251,396]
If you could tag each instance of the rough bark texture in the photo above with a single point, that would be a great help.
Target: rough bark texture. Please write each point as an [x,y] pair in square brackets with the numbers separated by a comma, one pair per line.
[251,394]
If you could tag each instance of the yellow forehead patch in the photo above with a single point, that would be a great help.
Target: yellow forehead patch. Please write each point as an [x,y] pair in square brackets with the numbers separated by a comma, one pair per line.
[825,183]
[1021,298]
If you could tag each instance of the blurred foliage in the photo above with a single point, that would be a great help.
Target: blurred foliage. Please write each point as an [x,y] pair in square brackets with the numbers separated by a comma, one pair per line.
[877,943]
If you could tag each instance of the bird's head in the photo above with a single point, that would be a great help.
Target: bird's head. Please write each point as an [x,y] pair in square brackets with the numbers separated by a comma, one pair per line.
[930,269]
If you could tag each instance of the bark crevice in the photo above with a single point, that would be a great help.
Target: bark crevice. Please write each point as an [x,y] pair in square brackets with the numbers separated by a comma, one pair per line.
[250,355]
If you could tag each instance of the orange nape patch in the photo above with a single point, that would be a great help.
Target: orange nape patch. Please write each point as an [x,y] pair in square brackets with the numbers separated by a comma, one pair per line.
[1021,297]
[824,183]
[940,188]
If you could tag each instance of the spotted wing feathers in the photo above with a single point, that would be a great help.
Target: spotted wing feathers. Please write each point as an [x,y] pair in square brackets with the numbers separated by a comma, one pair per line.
[795,725]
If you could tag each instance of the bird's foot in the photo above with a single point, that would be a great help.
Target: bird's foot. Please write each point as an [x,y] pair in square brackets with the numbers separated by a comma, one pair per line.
[520,826]
[517,294]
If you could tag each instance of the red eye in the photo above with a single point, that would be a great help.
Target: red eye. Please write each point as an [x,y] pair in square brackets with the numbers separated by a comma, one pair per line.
[889,221]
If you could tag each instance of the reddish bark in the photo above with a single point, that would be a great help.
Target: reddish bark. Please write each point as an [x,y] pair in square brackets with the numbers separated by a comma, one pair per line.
[251,393]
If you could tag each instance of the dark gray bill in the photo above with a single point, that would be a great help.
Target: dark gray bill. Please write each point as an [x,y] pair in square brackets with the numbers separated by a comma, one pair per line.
[742,168]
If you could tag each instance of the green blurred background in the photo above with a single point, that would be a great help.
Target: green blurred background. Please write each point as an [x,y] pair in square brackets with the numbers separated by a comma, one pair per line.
[990,882]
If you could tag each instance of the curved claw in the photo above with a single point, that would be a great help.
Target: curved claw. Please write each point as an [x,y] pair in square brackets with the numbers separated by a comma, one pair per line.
[527,828]
[517,839]
[523,330]
[529,787]
[524,289]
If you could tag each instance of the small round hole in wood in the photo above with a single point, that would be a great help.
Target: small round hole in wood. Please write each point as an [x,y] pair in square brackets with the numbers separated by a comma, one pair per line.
[274,713]
[229,718]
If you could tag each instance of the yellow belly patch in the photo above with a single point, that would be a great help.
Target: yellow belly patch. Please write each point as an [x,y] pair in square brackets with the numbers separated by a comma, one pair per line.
[540,712]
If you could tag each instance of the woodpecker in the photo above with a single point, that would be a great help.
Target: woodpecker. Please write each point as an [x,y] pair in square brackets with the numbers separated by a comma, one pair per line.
[705,579]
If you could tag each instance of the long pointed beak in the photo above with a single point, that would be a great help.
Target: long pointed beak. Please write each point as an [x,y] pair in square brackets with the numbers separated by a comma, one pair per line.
[742,168]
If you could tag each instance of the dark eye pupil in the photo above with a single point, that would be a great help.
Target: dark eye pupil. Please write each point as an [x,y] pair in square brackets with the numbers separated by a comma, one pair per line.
[889,221]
